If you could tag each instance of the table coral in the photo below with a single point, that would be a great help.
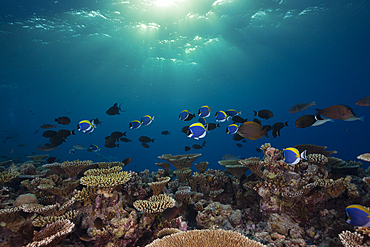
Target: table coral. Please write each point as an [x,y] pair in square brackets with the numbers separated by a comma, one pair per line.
[180,161]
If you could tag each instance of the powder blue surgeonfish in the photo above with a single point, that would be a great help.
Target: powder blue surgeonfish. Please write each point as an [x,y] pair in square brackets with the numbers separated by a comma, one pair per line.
[358,215]
[292,155]
[221,116]
[232,113]
[232,129]
[204,111]
[185,115]
[85,126]
[196,131]
[93,148]
[134,124]
[146,120]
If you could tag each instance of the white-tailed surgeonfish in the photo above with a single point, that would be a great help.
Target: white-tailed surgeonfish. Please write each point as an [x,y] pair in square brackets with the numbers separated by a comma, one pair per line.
[146,120]
[232,129]
[204,111]
[196,131]
[85,126]
[358,215]
[221,116]
[292,155]
[135,124]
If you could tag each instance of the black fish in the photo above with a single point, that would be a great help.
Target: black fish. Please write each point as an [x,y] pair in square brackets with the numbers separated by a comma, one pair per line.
[257,121]
[237,137]
[111,145]
[63,120]
[187,148]
[185,129]
[49,133]
[114,110]
[145,145]
[165,132]
[126,161]
[265,114]
[239,145]
[95,121]
[47,126]
[268,127]
[56,140]
[305,121]
[258,150]
[66,133]
[276,127]
[145,139]
[117,134]
[238,119]
[212,126]
[124,139]
[244,140]
[190,117]
[51,159]
[22,145]
[197,146]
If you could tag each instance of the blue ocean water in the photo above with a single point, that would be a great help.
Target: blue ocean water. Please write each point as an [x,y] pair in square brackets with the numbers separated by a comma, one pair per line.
[78,58]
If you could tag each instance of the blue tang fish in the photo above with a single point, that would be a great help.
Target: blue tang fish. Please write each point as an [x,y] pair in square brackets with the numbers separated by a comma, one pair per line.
[196,131]
[204,111]
[135,124]
[358,215]
[232,113]
[85,126]
[146,120]
[221,116]
[93,148]
[292,155]
[232,129]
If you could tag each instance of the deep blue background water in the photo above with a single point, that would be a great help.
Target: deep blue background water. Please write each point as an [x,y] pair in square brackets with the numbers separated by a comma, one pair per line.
[76,59]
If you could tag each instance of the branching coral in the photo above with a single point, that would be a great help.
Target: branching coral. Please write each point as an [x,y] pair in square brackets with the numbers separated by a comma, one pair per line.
[214,238]
[234,167]
[6,176]
[202,166]
[42,221]
[351,239]
[155,204]
[183,174]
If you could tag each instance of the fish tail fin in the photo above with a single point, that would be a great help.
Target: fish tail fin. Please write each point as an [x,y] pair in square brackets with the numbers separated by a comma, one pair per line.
[303,155]
[73,132]
[124,133]
[56,120]
[255,113]
[240,113]
[117,145]
[265,133]
[153,140]
[319,111]
[362,119]
[286,123]
[218,125]
[331,120]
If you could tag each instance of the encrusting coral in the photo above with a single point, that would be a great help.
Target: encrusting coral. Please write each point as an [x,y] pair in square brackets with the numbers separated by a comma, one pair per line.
[214,238]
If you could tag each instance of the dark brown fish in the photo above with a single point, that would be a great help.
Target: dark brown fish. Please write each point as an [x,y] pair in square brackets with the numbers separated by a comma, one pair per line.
[252,130]
[276,127]
[111,145]
[364,101]
[257,121]
[265,114]
[187,148]
[126,161]
[66,133]
[98,223]
[124,139]
[305,121]
[197,146]
[171,213]
[49,133]
[237,137]
[238,119]
[165,132]
[145,145]
[117,134]
[110,140]
[63,120]
[56,140]
[212,126]
[114,110]
[46,147]
[47,126]
[340,112]
[239,145]
[185,129]
[301,106]
[145,139]
[51,159]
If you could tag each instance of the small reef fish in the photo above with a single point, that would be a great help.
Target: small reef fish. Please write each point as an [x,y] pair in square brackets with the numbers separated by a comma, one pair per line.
[204,111]
[79,147]
[95,122]
[276,127]
[134,124]
[145,145]
[230,157]
[340,112]
[63,120]
[364,101]
[232,113]
[197,146]
[185,115]
[146,120]
[126,161]
[56,140]
[46,147]
[196,131]
[110,142]
[117,134]
[212,126]
[187,148]
[239,145]
[232,129]
[265,114]
[71,151]
[321,121]
[114,110]
[301,106]
[165,132]
[47,126]
[49,133]
[221,116]
[51,160]
[65,133]
[93,148]
[358,215]
[306,121]
[85,126]
[145,139]
[238,119]
[185,129]
[124,139]
[292,155]
[252,130]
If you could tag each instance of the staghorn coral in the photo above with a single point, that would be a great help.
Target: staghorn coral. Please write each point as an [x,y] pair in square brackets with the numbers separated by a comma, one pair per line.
[6,176]
[317,159]
[155,204]
[214,238]
[52,234]
[158,186]
[254,164]
[351,239]
[10,214]
[84,195]
[202,166]
[180,161]
[265,146]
